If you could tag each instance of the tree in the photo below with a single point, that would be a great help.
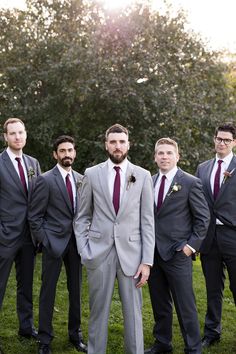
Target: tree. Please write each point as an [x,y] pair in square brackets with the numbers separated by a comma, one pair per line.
[71,66]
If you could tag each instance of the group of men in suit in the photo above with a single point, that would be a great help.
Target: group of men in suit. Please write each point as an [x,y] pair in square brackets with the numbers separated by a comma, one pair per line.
[121,224]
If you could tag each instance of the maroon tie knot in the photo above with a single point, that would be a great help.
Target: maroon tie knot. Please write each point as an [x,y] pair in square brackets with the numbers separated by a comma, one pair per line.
[117,168]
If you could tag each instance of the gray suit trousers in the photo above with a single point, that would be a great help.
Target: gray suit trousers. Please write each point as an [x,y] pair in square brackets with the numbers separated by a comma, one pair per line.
[101,286]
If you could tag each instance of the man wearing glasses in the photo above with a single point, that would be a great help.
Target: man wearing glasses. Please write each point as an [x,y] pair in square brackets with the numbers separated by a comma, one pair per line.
[218,250]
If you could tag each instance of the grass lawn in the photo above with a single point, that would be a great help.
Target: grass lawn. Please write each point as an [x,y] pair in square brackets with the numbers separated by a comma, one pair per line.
[11,343]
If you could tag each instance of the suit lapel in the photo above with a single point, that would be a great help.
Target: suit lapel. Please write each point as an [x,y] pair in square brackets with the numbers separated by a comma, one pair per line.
[176,180]
[62,187]
[155,178]
[29,168]
[103,180]
[12,172]
[128,188]
[78,182]
[227,182]
[209,168]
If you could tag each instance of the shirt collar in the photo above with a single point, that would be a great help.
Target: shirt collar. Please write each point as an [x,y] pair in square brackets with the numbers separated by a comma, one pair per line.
[63,172]
[169,175]
[123,165]
[12,155]
[226,159]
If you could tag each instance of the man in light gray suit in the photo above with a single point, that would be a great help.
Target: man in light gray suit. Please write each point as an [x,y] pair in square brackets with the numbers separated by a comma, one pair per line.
[218,250]
[114,230]
[54,203]
[181,222]
[18,173]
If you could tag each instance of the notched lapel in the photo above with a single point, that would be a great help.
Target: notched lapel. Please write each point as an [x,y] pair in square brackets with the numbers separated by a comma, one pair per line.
[102,175]
[209,169]
[129,188]
[13,173]
[78,184]
[176,181]
[229,180]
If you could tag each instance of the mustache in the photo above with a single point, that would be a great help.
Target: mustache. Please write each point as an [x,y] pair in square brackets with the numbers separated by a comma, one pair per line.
[66,158]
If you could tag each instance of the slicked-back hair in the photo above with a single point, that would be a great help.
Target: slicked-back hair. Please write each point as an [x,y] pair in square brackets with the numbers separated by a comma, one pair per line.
[116,128]
[167,141]
[63,139]
[226,127]
[11,121]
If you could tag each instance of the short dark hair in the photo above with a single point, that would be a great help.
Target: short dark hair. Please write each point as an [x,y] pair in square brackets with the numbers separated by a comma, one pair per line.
[226,127]
[11,121]
[63,139]
[116,128]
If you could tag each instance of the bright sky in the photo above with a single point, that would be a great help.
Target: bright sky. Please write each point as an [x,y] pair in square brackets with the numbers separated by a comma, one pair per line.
[213,19]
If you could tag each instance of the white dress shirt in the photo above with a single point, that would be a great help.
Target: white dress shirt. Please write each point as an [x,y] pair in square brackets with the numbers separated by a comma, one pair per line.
[169,178]
[112,175]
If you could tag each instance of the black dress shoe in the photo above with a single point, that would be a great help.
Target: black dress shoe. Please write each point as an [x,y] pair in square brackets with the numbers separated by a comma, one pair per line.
[207,342]
[79,346]
[44,349]
[158,348]
[32,335]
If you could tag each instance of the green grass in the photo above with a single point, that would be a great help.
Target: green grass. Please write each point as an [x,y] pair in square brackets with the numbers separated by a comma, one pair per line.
[13,345]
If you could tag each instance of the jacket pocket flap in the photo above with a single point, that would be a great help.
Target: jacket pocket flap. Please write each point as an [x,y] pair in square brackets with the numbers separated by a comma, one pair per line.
[134,238]
[94,234]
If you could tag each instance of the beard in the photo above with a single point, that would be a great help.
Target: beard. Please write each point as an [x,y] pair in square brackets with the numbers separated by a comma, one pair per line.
[118,159]
[66,162]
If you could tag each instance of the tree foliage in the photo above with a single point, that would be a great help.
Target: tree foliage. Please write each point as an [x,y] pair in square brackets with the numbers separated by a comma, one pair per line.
[70,66]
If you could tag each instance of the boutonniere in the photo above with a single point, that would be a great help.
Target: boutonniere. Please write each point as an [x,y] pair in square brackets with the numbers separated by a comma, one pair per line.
[79,184]
[175,188]
[131,179]
[31,172]
[227,174]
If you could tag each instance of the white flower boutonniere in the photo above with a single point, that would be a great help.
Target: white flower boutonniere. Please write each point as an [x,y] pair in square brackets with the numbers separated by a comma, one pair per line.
[227,174]
[79,184]
[175,188]
[31,172]
[131,179]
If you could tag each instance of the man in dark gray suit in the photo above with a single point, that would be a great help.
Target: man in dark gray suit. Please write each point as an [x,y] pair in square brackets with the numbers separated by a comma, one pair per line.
[18,173]
[54,203]
[181,221]
[218,250]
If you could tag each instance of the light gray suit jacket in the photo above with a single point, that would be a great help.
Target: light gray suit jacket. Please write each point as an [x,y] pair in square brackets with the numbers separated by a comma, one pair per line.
[14,203]
[50,212]
[98,228]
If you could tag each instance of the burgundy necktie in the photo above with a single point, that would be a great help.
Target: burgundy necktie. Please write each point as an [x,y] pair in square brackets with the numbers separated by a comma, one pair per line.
[161,192]
[217,179]
[69,190]
[22,175]
[116,190]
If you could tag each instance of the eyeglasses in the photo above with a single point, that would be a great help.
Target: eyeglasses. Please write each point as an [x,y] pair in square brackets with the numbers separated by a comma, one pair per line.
[225,141]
